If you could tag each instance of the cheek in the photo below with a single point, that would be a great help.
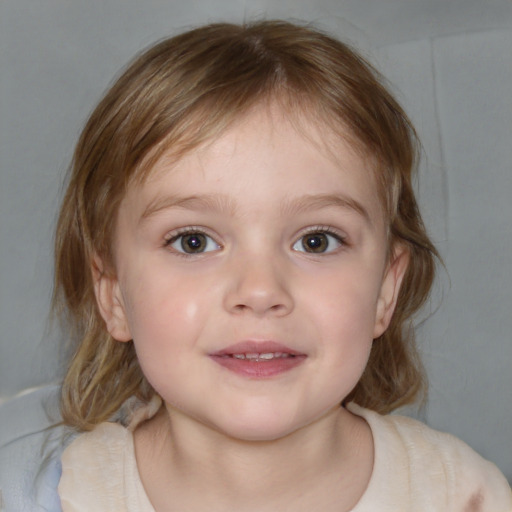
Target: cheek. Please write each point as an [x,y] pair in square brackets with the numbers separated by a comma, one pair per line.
[346,304]
[344,312]
[166,320]
[164,312]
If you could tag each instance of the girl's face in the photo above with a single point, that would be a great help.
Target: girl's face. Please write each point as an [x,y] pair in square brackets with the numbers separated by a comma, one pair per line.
[252,277]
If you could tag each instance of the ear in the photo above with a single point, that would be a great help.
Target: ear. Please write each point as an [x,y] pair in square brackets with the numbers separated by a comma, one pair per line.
[110,302]
[390,289]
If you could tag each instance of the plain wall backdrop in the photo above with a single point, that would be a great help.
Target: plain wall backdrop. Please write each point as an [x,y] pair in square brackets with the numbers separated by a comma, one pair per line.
[450,64]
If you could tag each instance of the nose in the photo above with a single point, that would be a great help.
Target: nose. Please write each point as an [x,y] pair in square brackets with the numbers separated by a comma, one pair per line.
[259,286]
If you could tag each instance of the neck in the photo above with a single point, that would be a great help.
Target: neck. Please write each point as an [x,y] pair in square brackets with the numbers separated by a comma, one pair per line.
[184,462]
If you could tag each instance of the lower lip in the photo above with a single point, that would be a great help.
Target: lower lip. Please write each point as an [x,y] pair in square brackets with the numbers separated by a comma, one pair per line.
[259,369]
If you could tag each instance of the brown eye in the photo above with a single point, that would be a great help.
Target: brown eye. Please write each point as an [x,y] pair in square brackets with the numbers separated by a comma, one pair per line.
[318,242]
[193,243]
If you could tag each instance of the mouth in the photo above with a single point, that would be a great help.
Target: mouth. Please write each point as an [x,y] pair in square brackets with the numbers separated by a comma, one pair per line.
[258,359]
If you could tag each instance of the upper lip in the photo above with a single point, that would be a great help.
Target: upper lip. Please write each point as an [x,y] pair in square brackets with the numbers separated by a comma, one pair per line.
[256,347]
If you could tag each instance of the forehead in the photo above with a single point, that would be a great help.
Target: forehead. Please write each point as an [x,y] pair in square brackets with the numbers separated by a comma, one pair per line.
[270,152]
[207,125]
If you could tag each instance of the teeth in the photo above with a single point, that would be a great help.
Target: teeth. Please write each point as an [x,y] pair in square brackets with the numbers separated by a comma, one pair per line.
[261,357]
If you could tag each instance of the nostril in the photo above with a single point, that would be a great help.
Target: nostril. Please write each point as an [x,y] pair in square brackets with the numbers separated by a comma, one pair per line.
[260,309]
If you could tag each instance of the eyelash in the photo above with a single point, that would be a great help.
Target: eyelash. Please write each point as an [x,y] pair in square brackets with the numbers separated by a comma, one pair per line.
[322,230]
[189,230]
[315,230]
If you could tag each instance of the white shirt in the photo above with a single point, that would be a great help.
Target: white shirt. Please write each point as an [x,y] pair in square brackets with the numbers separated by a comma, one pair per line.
[415,469]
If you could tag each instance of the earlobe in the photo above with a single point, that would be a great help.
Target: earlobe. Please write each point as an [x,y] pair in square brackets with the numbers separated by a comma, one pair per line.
[390,289]
[110,303]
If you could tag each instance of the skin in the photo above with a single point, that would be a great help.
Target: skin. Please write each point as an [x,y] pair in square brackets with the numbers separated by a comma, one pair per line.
[255,194]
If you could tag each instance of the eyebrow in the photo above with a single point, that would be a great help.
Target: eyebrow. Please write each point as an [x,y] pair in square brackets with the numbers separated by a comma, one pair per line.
[311,202]
[206,202]
[225,204]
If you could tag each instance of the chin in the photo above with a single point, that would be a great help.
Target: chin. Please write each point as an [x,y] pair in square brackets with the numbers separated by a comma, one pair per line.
[258,433]
[259,426]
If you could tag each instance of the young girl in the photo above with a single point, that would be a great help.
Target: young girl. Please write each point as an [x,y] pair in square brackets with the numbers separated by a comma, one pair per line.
[241,253]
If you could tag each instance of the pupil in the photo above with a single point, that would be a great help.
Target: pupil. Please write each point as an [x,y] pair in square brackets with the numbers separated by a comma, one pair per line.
[193,243]
[315,243]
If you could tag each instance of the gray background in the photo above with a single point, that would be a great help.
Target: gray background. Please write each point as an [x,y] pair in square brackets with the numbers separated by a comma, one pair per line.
[450,63]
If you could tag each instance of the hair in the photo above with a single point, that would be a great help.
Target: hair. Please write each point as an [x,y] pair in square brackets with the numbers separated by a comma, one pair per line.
[186,90]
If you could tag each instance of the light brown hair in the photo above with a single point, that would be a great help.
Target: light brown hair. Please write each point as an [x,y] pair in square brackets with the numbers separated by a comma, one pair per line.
[186,90]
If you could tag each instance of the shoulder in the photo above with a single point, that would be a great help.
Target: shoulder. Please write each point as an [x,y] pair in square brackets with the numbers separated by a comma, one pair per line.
[436,465]
[101,443]
[109,444]
[93,469]
[99,468]
[99,472]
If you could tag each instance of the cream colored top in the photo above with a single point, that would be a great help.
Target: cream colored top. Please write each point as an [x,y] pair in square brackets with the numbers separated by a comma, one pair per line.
[415,469]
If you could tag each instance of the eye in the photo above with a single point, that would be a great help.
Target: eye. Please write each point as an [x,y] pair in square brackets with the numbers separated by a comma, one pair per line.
[318,242]
[192,242]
